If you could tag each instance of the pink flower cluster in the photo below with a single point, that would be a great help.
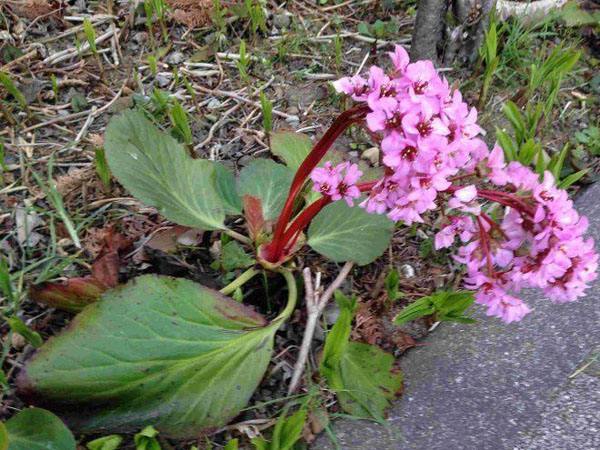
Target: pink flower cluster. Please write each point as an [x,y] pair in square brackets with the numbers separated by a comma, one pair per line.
[428,134]
[337,182]
[515,230]
[537,243]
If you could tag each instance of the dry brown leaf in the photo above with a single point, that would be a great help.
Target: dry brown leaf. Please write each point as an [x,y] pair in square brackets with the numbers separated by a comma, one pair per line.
[193,13]
[32,9]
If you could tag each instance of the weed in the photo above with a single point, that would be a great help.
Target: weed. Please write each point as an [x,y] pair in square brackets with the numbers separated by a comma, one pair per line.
[267,112]
[243,63]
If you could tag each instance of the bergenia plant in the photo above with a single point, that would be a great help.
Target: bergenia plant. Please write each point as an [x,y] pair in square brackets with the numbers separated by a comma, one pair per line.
[184,358]
[516,231]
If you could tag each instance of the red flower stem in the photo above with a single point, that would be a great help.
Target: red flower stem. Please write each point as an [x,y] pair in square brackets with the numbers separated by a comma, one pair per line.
[493,224]
[293,232]
[504,198]
[367,185]
[303,219]
[274,249]
[485,246]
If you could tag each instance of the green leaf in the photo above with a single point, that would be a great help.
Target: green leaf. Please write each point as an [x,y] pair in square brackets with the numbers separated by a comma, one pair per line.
[292,148]
[156,168]
[369,382]
[102,167]
[3,437]
[90,34]
[5,283]
[226,187]
[18,326]
[573,178]
[288,430]
[360,374]
[557,161]
[448,306]
[267,112]
[180,121]
[512,113]
[111,442]
[13,90]
[233,257]
[231,445]
[146,439]
[507,144]
[38,429]
[342,233]
[268,181]
[260,443]
[157,350]
[392,281]
[528,151]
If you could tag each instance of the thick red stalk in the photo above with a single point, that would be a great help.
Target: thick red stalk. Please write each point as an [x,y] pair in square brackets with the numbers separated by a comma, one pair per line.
[273,251]
[302,221]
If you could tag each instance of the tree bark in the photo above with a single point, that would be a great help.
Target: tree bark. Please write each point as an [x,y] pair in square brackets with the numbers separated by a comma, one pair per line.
[429,30]
[450,36]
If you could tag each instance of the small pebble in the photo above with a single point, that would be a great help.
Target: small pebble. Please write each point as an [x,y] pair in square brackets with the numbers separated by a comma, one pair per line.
[407,271]
[175,58]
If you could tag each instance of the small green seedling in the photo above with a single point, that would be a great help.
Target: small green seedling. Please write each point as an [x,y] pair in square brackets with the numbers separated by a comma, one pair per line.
[102,167]
[392,283]
[111,442]
[449,306]
[13,90]
[19,327]
[146,439]
[243,63]
[267,112]
[180,121]
[489,56]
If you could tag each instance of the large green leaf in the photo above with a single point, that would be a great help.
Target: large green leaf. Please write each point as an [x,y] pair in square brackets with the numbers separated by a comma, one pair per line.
[159,350]
[268,181]
[156,169]
[38,429]
[291,147]
[368,380]
[360,374]
[226,186]
[342,233]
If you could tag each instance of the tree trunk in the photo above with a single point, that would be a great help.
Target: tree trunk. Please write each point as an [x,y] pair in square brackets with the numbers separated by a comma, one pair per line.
[450,32]
[429,30]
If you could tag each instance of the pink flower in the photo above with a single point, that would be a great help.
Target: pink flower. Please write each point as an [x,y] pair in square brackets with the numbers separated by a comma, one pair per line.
[463,200]
[502,305]
[356,86]
[399,59]
[326,179]
[495,163]
[337,182]
[459,226]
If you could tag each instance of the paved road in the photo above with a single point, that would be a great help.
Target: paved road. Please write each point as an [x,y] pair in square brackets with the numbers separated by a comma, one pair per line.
[489,386]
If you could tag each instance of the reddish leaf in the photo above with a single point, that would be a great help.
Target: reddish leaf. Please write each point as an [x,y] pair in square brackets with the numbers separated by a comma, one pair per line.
[254,215]
[106,269]
[76,293]
[72,295]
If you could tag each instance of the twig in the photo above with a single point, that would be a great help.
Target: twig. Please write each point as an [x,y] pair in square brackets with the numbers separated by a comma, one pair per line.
[243,99]
[314,307]
[72,51]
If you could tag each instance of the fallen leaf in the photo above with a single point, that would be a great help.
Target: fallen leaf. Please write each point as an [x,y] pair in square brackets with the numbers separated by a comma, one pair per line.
[76,293]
